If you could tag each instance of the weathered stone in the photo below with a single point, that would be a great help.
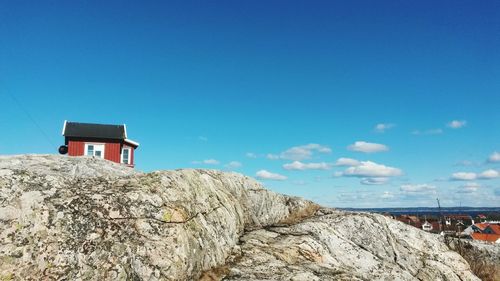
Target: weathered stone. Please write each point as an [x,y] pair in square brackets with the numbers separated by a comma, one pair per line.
[336,245]
[90,219]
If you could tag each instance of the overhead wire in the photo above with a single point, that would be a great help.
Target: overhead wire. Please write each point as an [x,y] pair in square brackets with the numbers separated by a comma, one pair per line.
[30,117]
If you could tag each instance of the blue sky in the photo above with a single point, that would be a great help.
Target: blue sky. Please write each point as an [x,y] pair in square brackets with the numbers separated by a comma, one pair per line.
[265,83]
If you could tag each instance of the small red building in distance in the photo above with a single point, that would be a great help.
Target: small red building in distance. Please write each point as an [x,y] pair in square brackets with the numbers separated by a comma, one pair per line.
[99,140]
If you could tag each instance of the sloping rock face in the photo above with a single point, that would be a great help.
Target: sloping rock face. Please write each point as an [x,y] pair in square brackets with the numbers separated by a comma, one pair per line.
[90,219]
[336,245]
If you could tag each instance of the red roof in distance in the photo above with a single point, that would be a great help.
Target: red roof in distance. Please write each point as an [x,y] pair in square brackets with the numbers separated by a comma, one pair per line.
[485,237]
[495,228]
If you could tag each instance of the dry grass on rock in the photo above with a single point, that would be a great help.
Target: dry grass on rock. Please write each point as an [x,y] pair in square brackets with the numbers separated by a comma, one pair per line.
[480,262]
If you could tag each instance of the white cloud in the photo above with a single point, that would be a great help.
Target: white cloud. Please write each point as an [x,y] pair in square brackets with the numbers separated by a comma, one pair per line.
[387,195]
[494,157]
[488,174]
[417,188]
[442,179]
[297,165]
[338,174]
[468,188]
[202,138]
[353,196]
[272,156]
[463,176]
[374,181]
[303,152]
[465,163]
[467,176]
[428,132]
[347,162]
[296,153]
[371,169]
[367,147]
[266,175]
[370,173]
[457,124]
[233,165]
[207,161]
[382,127]
[251,155]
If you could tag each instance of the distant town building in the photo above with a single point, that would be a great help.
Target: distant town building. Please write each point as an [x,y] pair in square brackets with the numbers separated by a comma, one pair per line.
[491,238]
[459,225]
[481,217]
[411,220]
[99,140]
[427,226]
[476,228]
[492,229]
[485,232]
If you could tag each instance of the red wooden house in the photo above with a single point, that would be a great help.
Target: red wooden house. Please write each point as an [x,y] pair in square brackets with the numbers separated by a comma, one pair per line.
[99,140]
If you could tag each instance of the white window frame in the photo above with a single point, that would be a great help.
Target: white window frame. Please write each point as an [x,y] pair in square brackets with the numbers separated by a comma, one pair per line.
[129,155]
[100,145]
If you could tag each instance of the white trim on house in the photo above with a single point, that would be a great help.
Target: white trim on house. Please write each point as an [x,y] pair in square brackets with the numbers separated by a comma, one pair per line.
[96,145]
[427,226]
[130,150]
[132,142]
[125,130]
[129,155]
[64,127]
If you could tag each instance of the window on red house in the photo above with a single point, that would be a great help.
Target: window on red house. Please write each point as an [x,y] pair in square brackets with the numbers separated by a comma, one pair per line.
[126,156]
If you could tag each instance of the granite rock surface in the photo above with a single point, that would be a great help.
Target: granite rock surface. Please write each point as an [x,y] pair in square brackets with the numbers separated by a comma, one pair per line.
[79,218]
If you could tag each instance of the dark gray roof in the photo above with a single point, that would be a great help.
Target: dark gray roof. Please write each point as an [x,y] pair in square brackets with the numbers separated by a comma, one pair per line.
[88,130]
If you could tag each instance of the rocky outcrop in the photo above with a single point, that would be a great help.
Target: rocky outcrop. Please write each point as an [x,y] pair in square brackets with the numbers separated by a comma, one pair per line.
[336,245]
[90,219]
